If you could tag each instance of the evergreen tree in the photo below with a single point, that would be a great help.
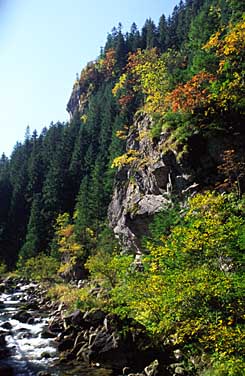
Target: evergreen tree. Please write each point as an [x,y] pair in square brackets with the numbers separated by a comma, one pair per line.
[35,240]
[151,34]
[121,51]
[97,204]
[19,207]
[181,27]
[82,211]
[69,164]
[162,33]
[133,38]
[69,190]
[77,168]
[202,27]
[35,167]
[5,200]
[108,112]
[52,188]
[172,39]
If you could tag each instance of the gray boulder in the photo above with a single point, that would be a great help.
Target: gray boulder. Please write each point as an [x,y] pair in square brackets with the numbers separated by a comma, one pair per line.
[22,316]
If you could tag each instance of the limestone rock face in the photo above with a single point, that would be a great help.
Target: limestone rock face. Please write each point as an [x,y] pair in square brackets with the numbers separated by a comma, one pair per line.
[144,186]
[74,101]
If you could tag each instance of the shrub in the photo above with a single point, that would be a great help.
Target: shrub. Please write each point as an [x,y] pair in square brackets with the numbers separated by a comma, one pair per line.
[39,268]
[189,290]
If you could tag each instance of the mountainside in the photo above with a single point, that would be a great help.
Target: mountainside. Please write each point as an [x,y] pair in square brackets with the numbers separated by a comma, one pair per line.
[145,184]
[154,175]
[153,156]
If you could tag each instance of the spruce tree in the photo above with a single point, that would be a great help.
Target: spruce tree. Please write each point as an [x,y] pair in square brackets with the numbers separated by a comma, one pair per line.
[82,217]
[34,241]
[162,33]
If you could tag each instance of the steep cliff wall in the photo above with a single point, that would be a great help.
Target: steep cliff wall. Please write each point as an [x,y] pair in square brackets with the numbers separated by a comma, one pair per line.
[151,174]
[145,185]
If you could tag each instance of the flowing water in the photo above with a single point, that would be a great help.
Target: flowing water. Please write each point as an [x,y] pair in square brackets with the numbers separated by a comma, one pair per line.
[29,353]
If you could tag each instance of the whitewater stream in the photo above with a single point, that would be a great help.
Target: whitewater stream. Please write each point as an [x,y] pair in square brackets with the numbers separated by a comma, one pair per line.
[29,353]
[26,353]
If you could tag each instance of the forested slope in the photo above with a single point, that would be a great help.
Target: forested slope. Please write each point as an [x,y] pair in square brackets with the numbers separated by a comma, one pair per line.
[156,118]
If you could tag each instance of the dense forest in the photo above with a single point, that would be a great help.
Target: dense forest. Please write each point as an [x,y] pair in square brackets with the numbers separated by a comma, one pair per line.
[185,74]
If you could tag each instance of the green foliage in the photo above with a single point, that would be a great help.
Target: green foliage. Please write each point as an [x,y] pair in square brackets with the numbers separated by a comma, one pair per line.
[3,268]
[201,28]
[39,268]
[229,44]
[165,220]
[187,289]
[157,127]
[125,159]
[108,269]
[71,251]
[180,126]
[145,66]
[146,73]
[105,265]
[190,286]
[33,242]
[225,366]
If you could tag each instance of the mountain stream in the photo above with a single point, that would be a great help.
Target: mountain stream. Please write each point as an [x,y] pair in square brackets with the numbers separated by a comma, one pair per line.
[23,350]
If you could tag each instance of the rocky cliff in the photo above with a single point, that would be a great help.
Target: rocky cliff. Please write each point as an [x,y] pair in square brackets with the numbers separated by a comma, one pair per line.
[145,185]
[151,174]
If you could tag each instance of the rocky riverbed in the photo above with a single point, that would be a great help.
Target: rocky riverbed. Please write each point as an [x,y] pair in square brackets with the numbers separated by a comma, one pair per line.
[37,338]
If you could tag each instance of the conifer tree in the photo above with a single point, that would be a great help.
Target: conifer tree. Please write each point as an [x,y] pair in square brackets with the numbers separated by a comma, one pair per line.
[82,217]
[35,240]
[133,38]
[35,167]
[162,33]
[121,51]
[77,164]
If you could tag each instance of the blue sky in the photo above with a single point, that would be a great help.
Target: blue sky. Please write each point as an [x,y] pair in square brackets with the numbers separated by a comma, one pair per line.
[44,43]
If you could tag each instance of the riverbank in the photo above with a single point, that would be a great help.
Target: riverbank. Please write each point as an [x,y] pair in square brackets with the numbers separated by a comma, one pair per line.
[38,337]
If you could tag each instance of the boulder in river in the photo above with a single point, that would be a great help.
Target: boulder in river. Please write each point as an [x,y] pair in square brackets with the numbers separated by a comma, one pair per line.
[45,355]
[6,325]
[2,340]
[56,327]
[4,351]
[46,333]
[43,373]
[2,287]
[22,316]
[33,305]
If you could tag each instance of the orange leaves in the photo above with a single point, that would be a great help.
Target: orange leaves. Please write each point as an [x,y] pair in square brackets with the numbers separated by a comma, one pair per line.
[108,63]
[141,57]
[146,75]
[191,95]
[67,231]
[88,74]
[95,72]
[125,100]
